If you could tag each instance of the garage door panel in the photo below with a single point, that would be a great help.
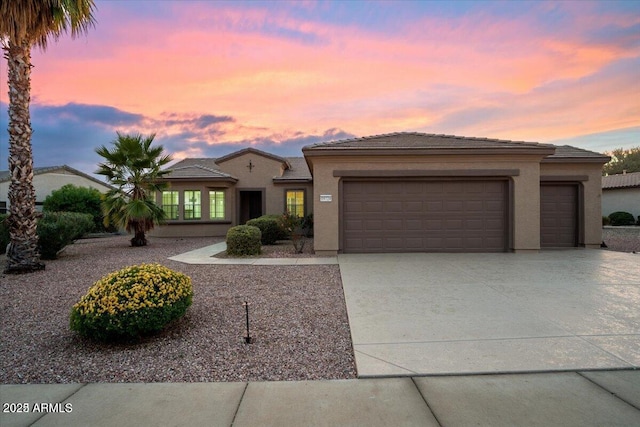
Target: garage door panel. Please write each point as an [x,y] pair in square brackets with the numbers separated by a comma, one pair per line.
[393,206]
[559,215]
[373,225]
[393,224]
[437,206]
[424,216]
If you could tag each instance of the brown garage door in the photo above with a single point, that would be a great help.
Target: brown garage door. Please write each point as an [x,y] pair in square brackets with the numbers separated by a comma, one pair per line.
[424,216]
[558,215]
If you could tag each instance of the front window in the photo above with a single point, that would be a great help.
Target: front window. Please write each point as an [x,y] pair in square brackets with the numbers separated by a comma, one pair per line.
[192,204]
[170,204]
[216,204]
[295,202]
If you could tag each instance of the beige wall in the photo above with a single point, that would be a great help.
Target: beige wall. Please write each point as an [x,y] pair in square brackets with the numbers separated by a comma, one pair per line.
[592,196]
[260,178]
[525,204]
[621,199]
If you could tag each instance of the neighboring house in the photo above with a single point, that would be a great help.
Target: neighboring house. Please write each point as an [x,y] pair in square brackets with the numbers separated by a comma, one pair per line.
[401,192]
[621,193]
[47,179]
[208,196]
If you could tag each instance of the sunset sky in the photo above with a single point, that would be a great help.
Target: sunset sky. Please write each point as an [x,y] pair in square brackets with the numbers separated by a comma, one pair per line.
[210,77]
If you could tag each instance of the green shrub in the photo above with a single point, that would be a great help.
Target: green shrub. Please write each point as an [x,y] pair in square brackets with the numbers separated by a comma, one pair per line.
[605,220]
[622,218]
[132,302]
[70,198]
[244,240]
[270,227]
[4,233]
[58,229]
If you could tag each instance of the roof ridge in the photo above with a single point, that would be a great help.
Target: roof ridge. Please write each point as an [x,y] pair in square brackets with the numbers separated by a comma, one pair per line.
[340,142]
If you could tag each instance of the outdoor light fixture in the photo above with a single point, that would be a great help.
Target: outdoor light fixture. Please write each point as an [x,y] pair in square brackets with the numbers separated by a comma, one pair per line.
[247,338]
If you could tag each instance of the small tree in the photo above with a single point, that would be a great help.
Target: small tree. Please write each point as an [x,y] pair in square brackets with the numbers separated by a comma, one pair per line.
[292,224]
[70,198]
[133,168]
[623,160]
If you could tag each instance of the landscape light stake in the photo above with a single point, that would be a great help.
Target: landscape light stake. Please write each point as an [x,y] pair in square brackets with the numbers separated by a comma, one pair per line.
[247,339]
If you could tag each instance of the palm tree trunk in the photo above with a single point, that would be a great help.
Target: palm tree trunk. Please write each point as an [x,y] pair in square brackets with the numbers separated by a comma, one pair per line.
[22,252]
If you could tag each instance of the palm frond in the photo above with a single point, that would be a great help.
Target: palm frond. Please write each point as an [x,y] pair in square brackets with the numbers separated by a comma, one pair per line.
[36,21]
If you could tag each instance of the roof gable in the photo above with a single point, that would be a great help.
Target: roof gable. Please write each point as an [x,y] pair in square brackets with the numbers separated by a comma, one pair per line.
[252,151]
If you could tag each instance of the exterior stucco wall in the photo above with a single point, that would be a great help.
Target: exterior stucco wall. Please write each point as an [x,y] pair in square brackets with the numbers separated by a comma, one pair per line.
[260,176]
[525,202]
[621,199]
[591,196]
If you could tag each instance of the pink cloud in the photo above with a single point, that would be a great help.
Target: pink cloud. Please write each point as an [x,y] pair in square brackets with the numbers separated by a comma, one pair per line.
[224,61]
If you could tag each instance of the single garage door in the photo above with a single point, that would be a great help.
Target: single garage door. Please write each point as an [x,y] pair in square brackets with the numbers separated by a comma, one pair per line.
[558,215]
[424,216]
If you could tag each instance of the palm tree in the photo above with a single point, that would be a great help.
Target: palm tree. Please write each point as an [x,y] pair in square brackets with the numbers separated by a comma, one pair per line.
[133,168]
[23,24]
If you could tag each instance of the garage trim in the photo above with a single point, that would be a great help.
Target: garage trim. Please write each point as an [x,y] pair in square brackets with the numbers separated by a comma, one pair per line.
[485,173]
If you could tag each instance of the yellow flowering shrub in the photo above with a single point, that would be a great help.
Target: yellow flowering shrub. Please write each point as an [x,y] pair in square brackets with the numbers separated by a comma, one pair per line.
[131,302]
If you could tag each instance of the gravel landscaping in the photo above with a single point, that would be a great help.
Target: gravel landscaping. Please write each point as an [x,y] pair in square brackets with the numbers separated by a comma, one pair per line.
[282,249]
[298,320]
[622,239]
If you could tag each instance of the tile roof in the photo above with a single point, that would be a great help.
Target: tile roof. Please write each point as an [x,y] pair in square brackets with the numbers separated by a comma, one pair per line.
[415,140]
[299,170]
[206,162]
[626,180]
[197,171]
[567,151]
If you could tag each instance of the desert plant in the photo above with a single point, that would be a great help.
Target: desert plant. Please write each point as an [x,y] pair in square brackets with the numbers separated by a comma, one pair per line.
[243,240]
[4,233]
[132,302]
[58,229]
[270,227]
[621,218]
[133,167]
[293,225]
[605,220]
[71,198]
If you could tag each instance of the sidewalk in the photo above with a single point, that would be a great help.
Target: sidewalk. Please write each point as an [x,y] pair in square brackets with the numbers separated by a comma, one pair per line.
[207,254]
[596,398]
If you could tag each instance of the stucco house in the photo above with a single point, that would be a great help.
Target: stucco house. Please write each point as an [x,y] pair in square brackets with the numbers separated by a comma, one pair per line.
[48,179]
[621,192]
[208,196]
[401,192]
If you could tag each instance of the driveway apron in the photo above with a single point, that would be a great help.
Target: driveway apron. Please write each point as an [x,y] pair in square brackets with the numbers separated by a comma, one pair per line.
[420,314]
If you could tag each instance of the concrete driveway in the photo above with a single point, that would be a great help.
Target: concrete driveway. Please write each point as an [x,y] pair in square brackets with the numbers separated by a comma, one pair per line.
[413,314]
